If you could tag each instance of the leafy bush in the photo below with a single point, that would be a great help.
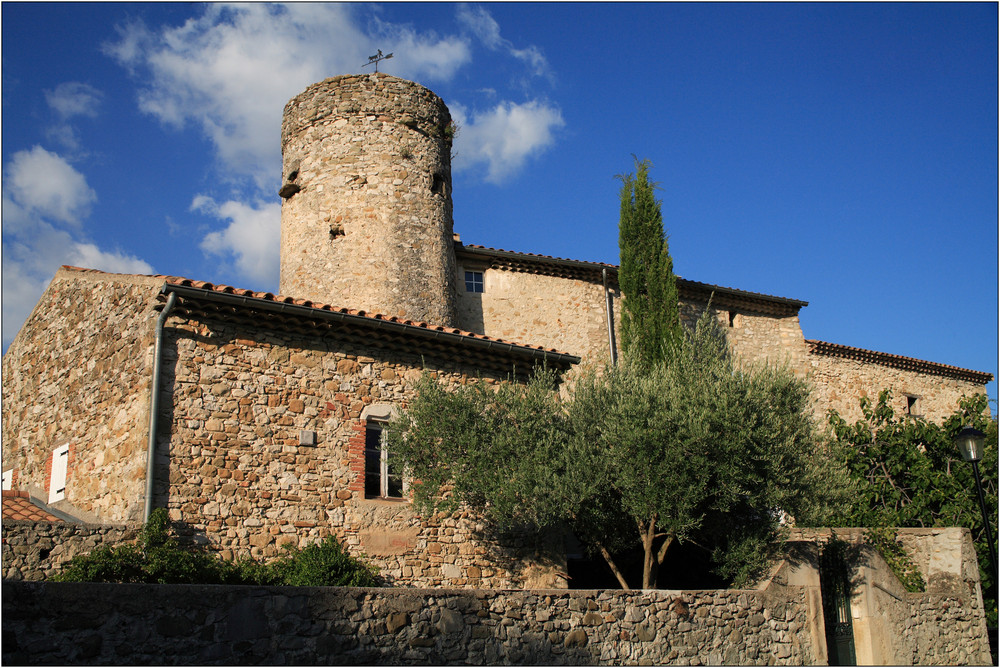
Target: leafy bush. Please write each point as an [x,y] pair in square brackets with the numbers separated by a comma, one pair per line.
[883,539]
[323,564]
[908,473]
[156,558]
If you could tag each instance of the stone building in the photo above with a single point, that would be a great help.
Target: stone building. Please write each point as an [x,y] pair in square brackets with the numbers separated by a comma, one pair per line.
[256,418]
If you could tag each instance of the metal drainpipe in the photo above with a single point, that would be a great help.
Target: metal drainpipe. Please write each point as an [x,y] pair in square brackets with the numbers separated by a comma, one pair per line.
[154,404]
[609,309]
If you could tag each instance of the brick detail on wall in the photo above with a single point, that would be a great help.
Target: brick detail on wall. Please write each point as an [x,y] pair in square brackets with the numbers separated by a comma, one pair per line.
[356,457]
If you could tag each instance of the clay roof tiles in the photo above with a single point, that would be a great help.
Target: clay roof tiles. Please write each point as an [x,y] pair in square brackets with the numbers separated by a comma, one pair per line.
[282,299]
[305,303]
[897,361]
[17,505]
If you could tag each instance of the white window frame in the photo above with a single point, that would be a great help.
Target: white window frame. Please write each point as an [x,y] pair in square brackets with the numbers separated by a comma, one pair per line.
[60,468]
[383,472]
[475,279]
[8,479]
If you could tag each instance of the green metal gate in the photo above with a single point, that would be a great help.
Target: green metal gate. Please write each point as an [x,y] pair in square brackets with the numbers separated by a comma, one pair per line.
[835,583]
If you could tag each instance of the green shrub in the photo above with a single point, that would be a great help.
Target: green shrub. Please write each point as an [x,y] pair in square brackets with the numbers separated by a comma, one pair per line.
[156,558]
[883,539]
[323,564]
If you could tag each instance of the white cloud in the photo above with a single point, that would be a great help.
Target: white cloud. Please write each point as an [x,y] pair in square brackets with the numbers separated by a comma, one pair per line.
[252,236]
[231,70]
[45,184]
[74,99]
[504,137]
[30,261]
[482,24]
[41,191]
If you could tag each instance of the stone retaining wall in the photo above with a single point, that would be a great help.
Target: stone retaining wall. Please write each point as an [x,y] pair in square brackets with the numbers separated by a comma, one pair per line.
[37,550]
[62,623]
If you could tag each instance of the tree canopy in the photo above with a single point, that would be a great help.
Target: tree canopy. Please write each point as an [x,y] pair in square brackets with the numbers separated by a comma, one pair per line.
[908,473]
[701,450]
[650,318]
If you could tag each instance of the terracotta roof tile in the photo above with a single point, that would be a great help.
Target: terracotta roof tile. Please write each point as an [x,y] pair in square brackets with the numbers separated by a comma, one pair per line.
[17,505]
[685,285]
[898,361]
[283,299]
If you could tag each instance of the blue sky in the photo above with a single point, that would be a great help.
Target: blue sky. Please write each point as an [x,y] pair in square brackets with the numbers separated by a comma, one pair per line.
[842,154]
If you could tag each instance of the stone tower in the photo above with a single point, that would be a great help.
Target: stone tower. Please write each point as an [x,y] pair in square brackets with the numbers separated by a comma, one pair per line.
[366,217]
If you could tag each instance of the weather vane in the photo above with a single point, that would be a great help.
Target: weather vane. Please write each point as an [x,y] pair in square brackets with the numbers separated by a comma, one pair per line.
[374,59]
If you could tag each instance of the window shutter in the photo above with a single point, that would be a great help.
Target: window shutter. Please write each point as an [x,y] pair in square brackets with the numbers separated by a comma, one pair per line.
[57,482]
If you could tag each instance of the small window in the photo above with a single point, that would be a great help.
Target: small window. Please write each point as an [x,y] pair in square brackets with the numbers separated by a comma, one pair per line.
[57,480]
[912,405]
[8,479]
[473,281]
[382,477]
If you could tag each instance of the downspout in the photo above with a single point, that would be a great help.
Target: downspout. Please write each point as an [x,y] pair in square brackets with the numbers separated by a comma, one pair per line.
[609,309]
[154,403]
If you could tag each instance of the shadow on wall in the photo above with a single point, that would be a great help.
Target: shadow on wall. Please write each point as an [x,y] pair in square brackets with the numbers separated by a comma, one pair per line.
[470,310]
[83,623]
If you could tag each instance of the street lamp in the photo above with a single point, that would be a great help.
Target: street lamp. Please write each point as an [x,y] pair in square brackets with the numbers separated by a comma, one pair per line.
[970,444]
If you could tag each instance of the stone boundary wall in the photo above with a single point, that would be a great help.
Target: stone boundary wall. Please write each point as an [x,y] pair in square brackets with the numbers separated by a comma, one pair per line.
[37,550]
[71,623]
[945,625]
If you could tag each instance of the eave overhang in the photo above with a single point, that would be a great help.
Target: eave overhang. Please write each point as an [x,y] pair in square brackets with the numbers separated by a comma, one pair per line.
[309,319]
[721,297]
[897,361]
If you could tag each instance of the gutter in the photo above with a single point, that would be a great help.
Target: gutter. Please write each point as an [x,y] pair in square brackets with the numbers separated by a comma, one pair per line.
[154,405]
[370,322]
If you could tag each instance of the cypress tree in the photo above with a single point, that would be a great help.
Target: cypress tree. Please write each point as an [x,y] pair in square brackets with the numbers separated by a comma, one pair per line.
[650,319]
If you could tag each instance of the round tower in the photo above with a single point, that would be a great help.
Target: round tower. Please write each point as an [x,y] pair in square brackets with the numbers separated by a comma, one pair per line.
[366,216]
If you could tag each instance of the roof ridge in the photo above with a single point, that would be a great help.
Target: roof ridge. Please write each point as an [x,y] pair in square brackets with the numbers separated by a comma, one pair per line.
[825,347]
[473,248]
[308,303]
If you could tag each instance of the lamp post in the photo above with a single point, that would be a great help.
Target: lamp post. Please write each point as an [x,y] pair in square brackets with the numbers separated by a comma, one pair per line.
[970,444]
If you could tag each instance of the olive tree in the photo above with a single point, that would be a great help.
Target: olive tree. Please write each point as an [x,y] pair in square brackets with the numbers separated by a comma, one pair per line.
[699,449]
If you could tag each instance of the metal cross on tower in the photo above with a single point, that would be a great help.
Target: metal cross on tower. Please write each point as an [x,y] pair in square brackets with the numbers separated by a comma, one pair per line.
[377,57]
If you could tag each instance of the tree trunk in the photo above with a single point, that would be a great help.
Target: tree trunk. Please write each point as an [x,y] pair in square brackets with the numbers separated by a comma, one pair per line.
[614,567]
[662,554]
[648,535]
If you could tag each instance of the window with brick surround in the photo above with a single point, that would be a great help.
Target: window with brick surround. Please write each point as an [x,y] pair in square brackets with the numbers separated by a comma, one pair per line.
[383,479]
[8,479]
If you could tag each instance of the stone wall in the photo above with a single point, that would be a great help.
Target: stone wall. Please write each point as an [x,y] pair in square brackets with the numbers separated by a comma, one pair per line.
[37,550]
[79,372]
[366,221]
[780,622]
[233,471]
[757,338]
[841,382]
[176,624]
[567,314]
